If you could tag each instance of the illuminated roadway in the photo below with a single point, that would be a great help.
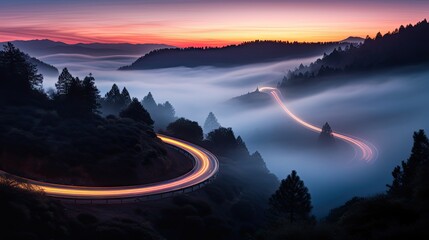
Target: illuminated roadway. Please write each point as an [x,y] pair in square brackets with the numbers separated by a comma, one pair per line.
[367,150]
[205,167]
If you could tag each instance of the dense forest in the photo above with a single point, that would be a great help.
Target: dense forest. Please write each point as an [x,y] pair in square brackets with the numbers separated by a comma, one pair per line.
[67,140]
[407,45]
[65,124]
[232,55]
[115,101]
[239,204]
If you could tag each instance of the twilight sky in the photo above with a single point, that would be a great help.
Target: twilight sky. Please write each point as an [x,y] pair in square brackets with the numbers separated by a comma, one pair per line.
[203,22]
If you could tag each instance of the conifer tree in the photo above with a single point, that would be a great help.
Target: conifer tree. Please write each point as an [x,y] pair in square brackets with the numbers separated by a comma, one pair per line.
[125,97]
[113,96]
[149,103]
[326,136]
[292,200]
[64,82]
[18,78]
[404,175]
[211,123]
[91,94]
[136,111]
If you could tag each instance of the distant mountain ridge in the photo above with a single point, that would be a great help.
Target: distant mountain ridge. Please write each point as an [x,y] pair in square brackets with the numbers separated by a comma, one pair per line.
[44,47]
[232,55]
[406,45]
[354,40]
[250,100]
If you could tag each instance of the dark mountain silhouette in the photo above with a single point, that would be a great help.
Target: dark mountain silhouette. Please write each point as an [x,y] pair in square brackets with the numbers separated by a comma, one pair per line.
[250,100]
[36,130]
[402,47]
[46,47]
[354,40]
[43,68]
[232,55]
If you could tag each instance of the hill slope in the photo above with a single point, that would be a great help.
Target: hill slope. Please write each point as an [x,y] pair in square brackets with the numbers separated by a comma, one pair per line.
[44,68]
[229,56]
[46,47]
[404,46]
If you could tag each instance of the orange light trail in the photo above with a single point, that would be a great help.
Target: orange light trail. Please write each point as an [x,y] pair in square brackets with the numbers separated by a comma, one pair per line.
[206,166]
[368,152]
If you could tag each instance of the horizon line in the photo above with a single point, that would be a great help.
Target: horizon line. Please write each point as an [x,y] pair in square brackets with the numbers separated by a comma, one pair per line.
[187,46]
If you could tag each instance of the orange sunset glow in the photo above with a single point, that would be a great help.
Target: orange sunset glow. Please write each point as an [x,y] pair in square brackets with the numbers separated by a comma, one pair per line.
[203,23]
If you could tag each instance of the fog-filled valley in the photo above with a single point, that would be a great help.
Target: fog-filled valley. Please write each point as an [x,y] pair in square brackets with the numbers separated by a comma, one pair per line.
[383,108]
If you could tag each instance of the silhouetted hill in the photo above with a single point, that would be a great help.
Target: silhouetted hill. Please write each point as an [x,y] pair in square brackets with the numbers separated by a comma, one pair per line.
[46,47]
[354,40]
[44,68]
[250,100]
[232,55]
[36,130]
[404,46]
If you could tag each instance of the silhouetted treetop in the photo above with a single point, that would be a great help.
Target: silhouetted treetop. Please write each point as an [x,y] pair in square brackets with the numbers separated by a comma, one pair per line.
[223,141]
[125,96]
[292,200]
[136,111]
[211,123]
[404,176]
[75,97]
[326,136]
[163,114]
[186,129]
[114,101]
[64,82]
[148,101]
[18,77]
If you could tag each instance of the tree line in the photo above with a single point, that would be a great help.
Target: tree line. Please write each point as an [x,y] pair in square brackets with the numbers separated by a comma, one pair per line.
[406,45]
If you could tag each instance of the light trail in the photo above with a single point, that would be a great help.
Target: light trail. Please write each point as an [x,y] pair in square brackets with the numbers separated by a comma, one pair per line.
[368,151]
[206,166]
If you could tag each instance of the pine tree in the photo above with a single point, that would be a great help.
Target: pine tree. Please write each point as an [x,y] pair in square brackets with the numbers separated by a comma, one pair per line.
[18,78]
[241,147]
[404,175]
[64,82]
[136,111]
[125,97]
[113,96]
[149,103]
[169,110]
[114,101]
[326,136]
[186,129]
[292,200]
[91,94]
[211,123]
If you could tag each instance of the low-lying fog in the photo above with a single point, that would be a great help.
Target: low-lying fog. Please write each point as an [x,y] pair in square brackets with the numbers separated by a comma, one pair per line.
[383,109]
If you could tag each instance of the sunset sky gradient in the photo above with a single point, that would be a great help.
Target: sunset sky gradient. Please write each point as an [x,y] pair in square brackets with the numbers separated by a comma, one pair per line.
[203,23]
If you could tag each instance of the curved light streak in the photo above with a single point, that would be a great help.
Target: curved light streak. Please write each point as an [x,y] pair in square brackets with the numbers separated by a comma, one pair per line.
[368,152]
[206,166]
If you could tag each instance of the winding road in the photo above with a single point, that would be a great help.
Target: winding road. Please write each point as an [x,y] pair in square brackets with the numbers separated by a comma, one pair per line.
[367,150]
[206,166]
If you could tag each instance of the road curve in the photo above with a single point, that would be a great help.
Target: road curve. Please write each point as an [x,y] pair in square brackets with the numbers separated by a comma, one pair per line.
[367,150]
[206,166]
